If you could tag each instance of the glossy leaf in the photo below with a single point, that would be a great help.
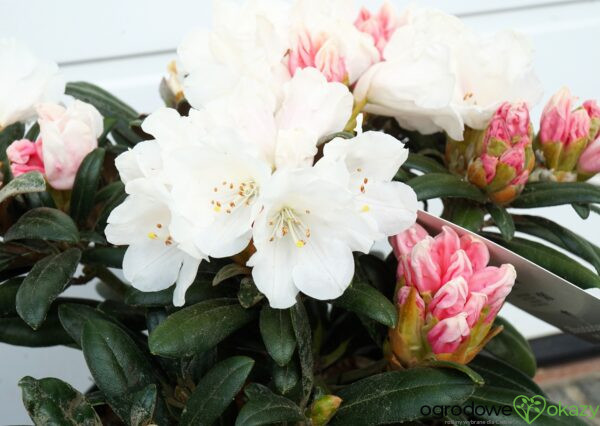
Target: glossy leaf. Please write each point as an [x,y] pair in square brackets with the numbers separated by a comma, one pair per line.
[15,331]
[230,271]
[51,401]
[442,185]
[8,295]
[277,333]
[86,185]
[73,317]
[143,406]
[303,333]
[23,184]
[546,194]
[512,347]
[364,299]
[47,280]
[503,220]
[7,136]
[551,260]
[285,378]
[265,408]
[424,164]
[582,210]
[397,397]
[198,328]
[560,236]
[216,391]
[465,213]
[111,257]
[248,295]
[118,366]
[45,224]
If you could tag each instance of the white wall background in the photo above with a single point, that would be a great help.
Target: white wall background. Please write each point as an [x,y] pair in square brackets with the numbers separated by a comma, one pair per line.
[124,46]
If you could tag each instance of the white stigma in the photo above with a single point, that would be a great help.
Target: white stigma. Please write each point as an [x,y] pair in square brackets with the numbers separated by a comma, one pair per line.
[288,222]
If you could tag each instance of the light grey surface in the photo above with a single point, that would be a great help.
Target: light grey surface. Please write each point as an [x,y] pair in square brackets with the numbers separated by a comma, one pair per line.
[125,46]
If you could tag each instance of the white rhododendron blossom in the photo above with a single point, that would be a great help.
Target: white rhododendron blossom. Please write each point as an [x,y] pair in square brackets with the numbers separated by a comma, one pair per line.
[25,81]
[437,75]
[242,171]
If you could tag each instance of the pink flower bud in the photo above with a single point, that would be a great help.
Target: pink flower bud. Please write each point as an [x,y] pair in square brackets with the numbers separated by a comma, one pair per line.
[380,26]
[554,123]
[447,335]
[320,52]
[69,134]
[592,109]
[474,306]
[589,162]
[476,251]
[495,283]
[578,126]
[405,241]
[499,158]
[450,299]
[25,156]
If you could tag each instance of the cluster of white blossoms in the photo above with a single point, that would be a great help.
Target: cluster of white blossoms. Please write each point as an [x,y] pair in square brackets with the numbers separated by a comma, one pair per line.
[252,164]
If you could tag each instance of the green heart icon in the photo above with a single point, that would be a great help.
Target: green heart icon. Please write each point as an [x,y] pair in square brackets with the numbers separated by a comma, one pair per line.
[529,408]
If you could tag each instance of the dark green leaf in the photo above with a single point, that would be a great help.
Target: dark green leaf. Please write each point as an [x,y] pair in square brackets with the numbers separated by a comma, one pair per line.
[196,329]
[277,334]
[199,291]
[230,271]
[302,331]
[364,299]
[551,260]
[23,184]
[503,384]
[33,132]
[465,213]
[73,317]
[248,295]
[512,347]
[472,374]
[45,224]
[107,104]
[117,364]
[216,390]
[265,408]
[48,279]
[51,401]
[560,236]
[582,210]
[86,184]
[545,194]
[424,164]
[8,295]
[116,197]
[111,257]
[15,331]
[398,396]
[285,378]
[442,185]
[503,220]
[143,406]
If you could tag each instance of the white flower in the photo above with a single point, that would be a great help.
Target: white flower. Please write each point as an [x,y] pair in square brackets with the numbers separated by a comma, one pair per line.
[24,82]
[304,238]
[248,41]
[440,76]
[372,159]
[161,251]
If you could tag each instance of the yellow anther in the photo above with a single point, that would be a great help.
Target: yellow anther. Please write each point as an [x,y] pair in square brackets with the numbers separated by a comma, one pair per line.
[217,208]
[299,243]
[365,208]
[152,235]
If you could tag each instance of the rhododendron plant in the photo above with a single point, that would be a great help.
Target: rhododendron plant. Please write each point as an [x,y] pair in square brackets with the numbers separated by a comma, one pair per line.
[237,236]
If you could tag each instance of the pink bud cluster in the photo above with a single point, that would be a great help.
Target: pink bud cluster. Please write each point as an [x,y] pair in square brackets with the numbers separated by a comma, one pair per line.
[447,282]
[380,26]
[568,136]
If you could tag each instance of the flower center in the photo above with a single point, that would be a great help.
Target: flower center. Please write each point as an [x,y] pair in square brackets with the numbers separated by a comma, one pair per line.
[230,195]
[159,232]
[287,221]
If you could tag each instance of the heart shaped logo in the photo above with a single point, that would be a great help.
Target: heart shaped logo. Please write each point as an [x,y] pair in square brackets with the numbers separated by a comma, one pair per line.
[529,408]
